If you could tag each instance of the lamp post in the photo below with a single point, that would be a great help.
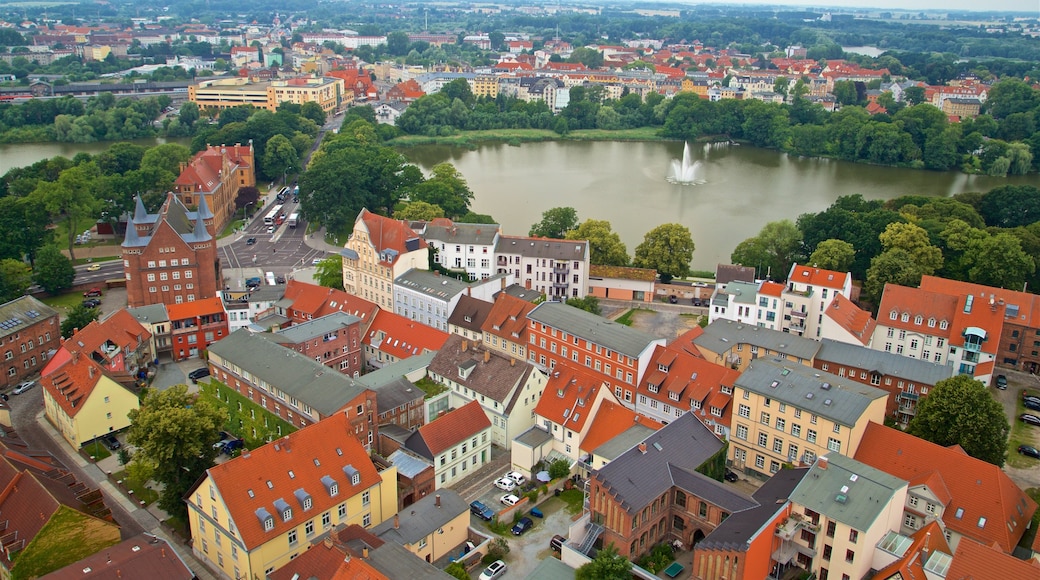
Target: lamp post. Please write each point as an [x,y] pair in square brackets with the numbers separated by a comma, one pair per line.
[246,210]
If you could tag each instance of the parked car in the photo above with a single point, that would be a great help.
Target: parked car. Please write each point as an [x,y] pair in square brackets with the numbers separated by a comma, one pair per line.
[92,293]
[494,570]
[509,499]
[522,526]
[253,282]
[23,387]
[673,299]
[279,280]
[197,374]
[505,484]
[1029,419]
[1029,451]
[1031,399]
[230,445]
[110,441]
[1031,404]
[516,477]
[316,261]
[696,302]
[93,267]
[1001,382]
[250,241]
[731,475]
[91,303]
[557,542]
[481,511]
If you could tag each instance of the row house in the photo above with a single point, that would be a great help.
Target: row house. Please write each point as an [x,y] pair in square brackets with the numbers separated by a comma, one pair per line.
[973,499]
[29,333]
[379,250]
[196,325]
[429,298]
[298,390]
[557,268]
[755,303]
[505,329]
[905,379]
[119,344]
[960,330]
[156,321]
[253,514]
[792,414]
[392,338]
[617,354]
[845,322]
[563,415]
[170,257]
[458,443]
[808,293]
[399,402]
[302,302]
[506,388]
[244,308]
[432,528]
[467,319]
[216,174]
[333,340]
[736,345]
[462,247]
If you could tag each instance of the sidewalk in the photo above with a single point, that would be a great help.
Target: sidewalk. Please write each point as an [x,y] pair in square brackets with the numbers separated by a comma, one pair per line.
[149,518]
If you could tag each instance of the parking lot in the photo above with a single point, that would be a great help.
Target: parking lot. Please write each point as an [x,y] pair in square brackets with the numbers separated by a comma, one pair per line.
[526,551]
[1022,470]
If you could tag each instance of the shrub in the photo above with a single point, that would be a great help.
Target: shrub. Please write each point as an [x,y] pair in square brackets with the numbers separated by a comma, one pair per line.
[559,468]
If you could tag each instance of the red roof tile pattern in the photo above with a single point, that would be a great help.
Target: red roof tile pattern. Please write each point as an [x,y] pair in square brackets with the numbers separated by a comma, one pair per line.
[508,318]
[910,566]
[817,277]
[402,338]
[771,289]
[1028,304]
[311,301]
[72,384]
[120,329]
[611,420]
[27,507]
[194,309]
[389,234]
[851,318]
[974,561]
[142,556]
[568,396]
[452,428]
[978,488]
[327,561]
[958,310]
[687,380]
[203,172]
[259,478]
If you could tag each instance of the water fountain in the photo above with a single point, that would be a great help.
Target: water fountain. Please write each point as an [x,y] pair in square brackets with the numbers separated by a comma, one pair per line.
[685,172]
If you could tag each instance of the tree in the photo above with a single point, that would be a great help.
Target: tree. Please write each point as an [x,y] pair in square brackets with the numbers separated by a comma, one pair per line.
[476,218]
[559,469]
[71,198]
[668,248]
[891,267]
[605,245]
[588,304]
[246,196]
[189,114]
[607,565]
[79,317]
[913,239]
[845,92]
[961,411]
[280,157]
[914,95]
[15,279]
[173,431]
[555,224]
[53,271]
[419,211]
[397,43]
[457,570]
[833,255]
[445,188]
[999,260]
[1010,206]
[776,247]
[329,272]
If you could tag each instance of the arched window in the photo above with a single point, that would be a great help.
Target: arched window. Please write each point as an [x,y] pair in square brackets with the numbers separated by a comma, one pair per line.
[918,319]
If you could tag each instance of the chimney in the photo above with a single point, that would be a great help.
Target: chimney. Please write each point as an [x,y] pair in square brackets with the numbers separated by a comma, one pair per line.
[364,552]
[822,462]
[397,522]
[437,500]
[465,345]
[75,355]
[642,448]
[512,362]
[90,371]
[487,355]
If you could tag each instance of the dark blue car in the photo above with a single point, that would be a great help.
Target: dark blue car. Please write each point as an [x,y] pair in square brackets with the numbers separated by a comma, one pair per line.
[522,526]
[481,511]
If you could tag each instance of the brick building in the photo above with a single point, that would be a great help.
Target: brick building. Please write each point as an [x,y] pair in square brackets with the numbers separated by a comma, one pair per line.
[216,174]
[334,340]
[29,333]
[196,325]
[170,257]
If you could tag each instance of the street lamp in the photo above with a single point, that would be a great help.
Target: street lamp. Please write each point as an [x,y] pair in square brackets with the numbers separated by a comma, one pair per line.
[246,210]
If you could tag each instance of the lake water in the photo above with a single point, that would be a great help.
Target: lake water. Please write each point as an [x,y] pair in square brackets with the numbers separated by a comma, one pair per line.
[23,154]
[625,183]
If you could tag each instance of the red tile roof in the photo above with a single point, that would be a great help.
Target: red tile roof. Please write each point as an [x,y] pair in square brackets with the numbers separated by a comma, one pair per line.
[327,561]
[688,376]
[452,428]
[568,396]
[910,566]
[402,338]
[974,561]
[978,488]
[1028,304]
[27,507]
[203,172]
[389,234]
[195,308]
[611,420]
[120,329]
[508,318]
[311,301]
[71,384]
[817,277]
[899,299]
[851,318]
[985,312]
[771,289]
[142,556]
[258,478]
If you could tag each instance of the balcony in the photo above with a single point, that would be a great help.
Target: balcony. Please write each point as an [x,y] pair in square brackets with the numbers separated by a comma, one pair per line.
[561,270]
[798,314]
[904,396]
[908,409]
[558,284]
[789,528]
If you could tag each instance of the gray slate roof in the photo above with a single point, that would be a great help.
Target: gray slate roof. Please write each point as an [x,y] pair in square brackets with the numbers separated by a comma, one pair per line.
[637,478]
[919,371]
[721,335]
[395,432]
[725,496]
[836,398]
[150,314]
[622,442]
[395,393]
[394,561]
[431,284]
[463,234]
[736,533]
[848,491]
[21,313]
[742,292]
[395,370]
[422,518]
[542,248]
[496,379]
[519,291]
[299,376]
[470,313]
[304,331]
[588,326]
[533,437]
[551,569]
[267,293]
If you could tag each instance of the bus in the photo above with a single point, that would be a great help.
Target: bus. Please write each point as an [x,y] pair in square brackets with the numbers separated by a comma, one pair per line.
[294,218]
[272,215]
[269,276]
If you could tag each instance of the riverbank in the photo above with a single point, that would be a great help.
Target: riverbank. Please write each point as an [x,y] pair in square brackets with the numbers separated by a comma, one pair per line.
[473,139]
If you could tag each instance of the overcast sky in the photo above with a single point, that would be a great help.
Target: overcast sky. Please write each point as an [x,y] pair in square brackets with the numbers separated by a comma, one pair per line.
[1032,6]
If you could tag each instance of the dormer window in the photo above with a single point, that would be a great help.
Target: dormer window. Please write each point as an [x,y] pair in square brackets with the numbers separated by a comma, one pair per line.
[931,323]
[330,485]
[943,325]
[662,368]
[352,474]
[918,319]
[673,396]
[893,315]
[905,317]
[284,509]
[266,519]
[652,387]
[581,402]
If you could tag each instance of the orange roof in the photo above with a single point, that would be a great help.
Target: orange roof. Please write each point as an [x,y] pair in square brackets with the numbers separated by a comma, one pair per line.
[120,329]
[899,299]
[389,234]
[71,384]
[27,507]
[981,314]
[910,565]
[329,561]
[682,377]
[611,420]
[818,277]
[1028,305]
[195,308]
[448,430]
[402,338]
[851,318]
[973,560]
[203,172]
[313,301]
[991,508]
[305,459]
[568,396]
[508,318]
[771,289]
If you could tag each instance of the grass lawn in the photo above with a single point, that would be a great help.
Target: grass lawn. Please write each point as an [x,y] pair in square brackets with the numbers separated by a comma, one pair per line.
[430,387]
[627,317]
[1030,535]
[96,450]
[67,537]
[62,302]
[1021,434]
[573,498]
[141,491]
[231,227]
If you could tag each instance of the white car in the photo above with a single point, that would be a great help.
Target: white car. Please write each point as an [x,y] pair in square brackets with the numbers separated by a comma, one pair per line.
[505,484]
[493,571]
[270,229]
[509,499]
[316,261]
[23,387]
[515,476]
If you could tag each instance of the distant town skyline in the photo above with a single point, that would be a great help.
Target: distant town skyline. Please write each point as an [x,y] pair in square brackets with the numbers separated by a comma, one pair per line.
[1031,6]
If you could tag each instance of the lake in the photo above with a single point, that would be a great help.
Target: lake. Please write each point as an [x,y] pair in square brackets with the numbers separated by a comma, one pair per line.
[22,154]
[739,189]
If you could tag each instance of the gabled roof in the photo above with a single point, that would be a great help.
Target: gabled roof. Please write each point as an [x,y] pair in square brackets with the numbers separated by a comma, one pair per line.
[738,530]
[195,308]
[981,492]
[848,491]
[203,172]
[817,277]
[568,396]
[22,312]
[327,560]
[547,248]
[918,371]
[686,376]
[389,234]
[721,336]
[432,284]
[726,273]
[400,337]
[27,507]
[914,554]
[508,318]
[150,314]
[611,420]
[850,318]
[973,560]
[449,430]
[979,311]
[120,330]
[143,556]
[448,232]
[1021,308]
[587,326]
[487,373]
[317,327]
[71,384]
[470,313]
[313,301]
[422,518]
[281,474]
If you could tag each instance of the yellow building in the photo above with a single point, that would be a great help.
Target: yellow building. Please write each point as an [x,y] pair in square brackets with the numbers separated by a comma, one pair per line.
[224,93]
[792,414]
[735,344]
[81,400]
[485,86]
[379,250]
[431,528]
[251,515]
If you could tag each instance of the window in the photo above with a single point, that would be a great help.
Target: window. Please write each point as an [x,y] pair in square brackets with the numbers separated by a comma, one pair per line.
[326,520]
[853,534]
[831,525]
[760,461]
[765,418]
[796,430]
[826,552]
[308,528]
[744,411]
[742,432]
[365,498]
[366,521]
[763,440]
[850,556]
[781,425]
[834,445]
[293,540]
[778,445]
[810,436]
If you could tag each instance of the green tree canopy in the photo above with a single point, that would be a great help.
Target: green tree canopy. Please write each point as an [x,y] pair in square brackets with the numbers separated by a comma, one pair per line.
[174,432]
[834,255]
[588,304]
[419,210]
[53,271]
[961,411]
[1009,206]
[555,224]
[15,279]
[607,565]
[668,248]
[280,157]
[79,317]
[329,272]
[998,260]
[605,245]
[445,188]
[776,247]
[71,198]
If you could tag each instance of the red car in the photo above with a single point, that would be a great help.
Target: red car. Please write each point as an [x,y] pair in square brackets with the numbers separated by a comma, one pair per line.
[92,293]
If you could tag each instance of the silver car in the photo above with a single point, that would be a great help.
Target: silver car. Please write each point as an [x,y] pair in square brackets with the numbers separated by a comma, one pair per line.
[23,387]
[495,570]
